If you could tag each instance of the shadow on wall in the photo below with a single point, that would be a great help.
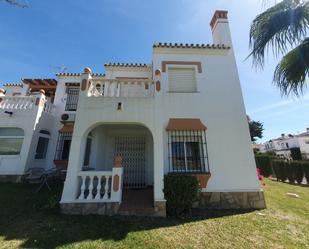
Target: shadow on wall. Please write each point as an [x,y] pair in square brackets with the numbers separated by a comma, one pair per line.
[30,217]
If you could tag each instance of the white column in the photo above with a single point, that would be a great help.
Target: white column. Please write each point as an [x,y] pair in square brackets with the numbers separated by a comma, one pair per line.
[158,144]
[116,196]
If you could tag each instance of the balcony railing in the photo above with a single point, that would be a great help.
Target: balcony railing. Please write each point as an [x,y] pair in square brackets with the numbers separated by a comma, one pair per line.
[17,102]
[127,88]
[100,186]
[24,103]
[95,185]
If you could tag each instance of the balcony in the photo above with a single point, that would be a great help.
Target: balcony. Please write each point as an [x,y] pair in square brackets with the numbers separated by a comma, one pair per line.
[126,88]
[25,103]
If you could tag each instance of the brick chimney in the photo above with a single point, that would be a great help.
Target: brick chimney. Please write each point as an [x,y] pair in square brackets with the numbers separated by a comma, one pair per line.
[220,28]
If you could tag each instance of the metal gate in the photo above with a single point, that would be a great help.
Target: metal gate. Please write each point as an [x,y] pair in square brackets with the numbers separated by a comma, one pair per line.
[132,151]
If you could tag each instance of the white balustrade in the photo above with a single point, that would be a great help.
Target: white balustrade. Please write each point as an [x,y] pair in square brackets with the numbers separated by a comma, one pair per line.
[128,88]
[90,187]
[17,102]
[49,107]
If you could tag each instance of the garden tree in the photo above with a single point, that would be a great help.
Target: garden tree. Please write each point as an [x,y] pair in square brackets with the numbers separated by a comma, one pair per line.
[16,2]
[282,30]
[256,129]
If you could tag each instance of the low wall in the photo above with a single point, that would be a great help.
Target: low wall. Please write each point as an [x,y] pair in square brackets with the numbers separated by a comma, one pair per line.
[232,200]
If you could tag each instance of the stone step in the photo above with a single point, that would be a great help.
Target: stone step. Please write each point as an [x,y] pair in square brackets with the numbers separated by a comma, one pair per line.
[136,211]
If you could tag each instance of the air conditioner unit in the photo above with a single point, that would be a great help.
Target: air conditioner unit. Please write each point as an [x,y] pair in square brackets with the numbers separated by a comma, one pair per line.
[68,117]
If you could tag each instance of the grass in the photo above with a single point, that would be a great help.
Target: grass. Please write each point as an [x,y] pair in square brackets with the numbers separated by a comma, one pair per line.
[28,221]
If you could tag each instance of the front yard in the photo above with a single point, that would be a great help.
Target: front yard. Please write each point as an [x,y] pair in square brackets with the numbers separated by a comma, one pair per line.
[27,220]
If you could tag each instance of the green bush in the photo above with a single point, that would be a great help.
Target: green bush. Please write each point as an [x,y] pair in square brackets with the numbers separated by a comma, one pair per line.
[263,162]
[289,172]
[298,171]
[296,154]
[306,170]
[180,191]
[279,169]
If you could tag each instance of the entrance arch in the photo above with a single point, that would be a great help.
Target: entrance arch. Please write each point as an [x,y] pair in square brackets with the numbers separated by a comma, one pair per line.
[133,142]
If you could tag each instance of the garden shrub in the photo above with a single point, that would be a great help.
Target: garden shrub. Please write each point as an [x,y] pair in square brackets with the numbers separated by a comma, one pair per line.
[306,170]
[298,171]
[289,172]
[263,162]
[296,154]
[180,191]
[279,169]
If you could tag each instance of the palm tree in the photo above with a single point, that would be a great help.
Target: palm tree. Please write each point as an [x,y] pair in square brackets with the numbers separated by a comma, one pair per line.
[15,2]
[282,29]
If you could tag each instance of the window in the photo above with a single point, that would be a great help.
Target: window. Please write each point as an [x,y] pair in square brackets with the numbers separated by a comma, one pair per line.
[11,140]
[72,99]
[182,80]
[63,146]
[188,151]
[42,146]
[87,151]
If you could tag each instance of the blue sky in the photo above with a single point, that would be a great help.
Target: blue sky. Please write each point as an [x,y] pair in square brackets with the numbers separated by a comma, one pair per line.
[79,33]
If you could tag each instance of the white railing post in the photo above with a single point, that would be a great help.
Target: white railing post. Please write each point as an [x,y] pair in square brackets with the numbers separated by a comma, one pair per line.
[90,188]
[116,188]
[105,196]
[82,188]
[99,186]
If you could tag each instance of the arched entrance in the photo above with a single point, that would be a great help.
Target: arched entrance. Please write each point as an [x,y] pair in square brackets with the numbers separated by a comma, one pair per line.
[132,142]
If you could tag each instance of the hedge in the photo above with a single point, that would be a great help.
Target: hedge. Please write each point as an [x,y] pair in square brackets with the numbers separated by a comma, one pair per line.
[180,191]
[279,169]
[263,162]
[298,171]
[293,171]
[306,170]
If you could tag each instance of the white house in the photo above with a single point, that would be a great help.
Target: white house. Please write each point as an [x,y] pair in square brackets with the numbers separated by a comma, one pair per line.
[282,146]
[119,133]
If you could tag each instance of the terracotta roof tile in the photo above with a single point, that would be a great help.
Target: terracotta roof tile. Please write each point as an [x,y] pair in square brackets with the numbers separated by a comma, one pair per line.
[192,45]
[13,84]
[126,65]
[79,74]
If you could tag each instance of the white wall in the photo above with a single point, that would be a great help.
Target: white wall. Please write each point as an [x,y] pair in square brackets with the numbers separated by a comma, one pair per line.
[219,105]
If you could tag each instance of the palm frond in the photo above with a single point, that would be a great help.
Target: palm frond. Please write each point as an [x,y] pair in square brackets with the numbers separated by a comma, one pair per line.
[15,2]
[291,73]
[278,28]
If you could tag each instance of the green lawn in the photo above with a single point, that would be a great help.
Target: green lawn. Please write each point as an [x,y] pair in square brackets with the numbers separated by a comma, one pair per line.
[26,221]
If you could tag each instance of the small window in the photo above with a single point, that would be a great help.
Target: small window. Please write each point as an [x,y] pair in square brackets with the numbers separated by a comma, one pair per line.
[41,148]
[72,99]
[63,146]
[182,80]
[188,151]
[11,140]
[87,151]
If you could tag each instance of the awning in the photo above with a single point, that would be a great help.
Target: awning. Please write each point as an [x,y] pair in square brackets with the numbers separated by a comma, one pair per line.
[67,128]
[185,124]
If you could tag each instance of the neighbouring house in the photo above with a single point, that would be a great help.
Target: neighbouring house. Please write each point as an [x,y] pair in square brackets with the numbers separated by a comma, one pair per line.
[282,146]
[120,132]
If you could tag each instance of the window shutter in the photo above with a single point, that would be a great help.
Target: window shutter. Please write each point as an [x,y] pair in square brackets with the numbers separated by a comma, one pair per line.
[182,80]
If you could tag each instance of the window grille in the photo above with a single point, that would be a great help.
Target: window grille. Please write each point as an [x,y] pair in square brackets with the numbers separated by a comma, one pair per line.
[188,151]
[72,99]
[63,146]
